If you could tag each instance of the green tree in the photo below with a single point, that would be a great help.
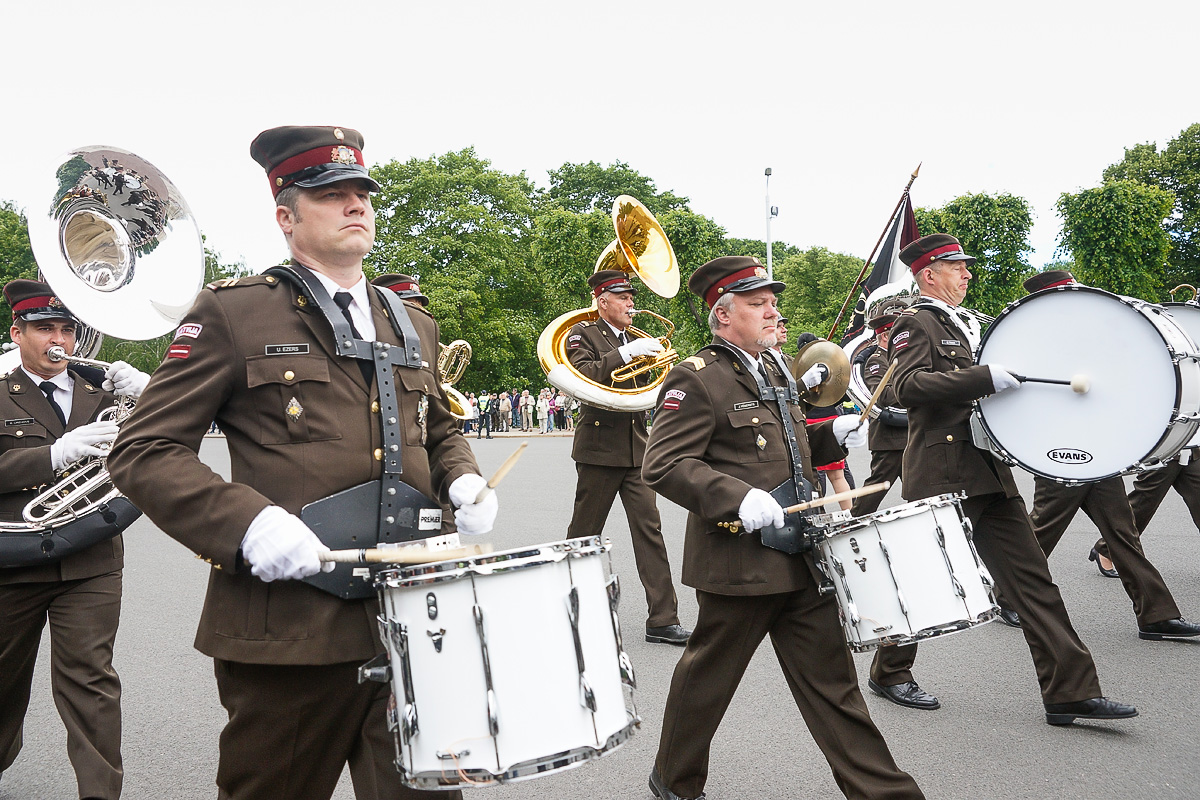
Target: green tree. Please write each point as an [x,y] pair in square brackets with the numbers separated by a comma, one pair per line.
[464,229]
[16,256]
[1176,169]
[816,281]
[1115,236]
[758,249]
[591,187]
[994,229]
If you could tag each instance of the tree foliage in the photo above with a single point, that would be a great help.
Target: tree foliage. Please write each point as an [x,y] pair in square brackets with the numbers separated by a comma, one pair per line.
[591,187]
[16,256]
[1177,170]
[817,281]
[1115,236]
[758,249]
[994,229]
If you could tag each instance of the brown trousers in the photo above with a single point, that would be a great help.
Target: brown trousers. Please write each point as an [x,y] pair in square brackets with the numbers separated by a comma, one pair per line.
[595,491]
[1006,543]
[292,729]
[811,649]
[1055,505]
[83,617]
[1150,489]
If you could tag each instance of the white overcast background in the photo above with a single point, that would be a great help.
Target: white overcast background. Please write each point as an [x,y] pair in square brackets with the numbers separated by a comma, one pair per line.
[841,100]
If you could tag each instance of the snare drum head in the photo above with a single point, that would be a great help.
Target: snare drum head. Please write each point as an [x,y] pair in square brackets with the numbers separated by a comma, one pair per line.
[1122,347]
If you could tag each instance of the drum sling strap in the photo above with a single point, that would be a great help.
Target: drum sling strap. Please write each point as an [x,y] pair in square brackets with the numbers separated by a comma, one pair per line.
[388,510]
[793,537]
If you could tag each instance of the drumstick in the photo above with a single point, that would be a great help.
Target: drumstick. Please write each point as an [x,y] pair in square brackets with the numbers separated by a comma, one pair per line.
[402,555]
[849,494]
[1080,384]
[878,391]
[500,473]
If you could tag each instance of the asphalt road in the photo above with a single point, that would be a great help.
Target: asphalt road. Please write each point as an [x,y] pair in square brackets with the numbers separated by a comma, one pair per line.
[988,740]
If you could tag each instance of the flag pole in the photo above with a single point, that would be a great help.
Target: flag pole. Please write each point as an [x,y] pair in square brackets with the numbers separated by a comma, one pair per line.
[874,250]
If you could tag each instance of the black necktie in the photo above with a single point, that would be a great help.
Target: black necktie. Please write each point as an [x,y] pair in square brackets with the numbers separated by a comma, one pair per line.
[622,339]
[48,388]
[762,370]
[343,300]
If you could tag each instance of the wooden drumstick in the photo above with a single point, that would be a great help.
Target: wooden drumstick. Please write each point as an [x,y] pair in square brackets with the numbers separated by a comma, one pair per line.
[849,494]
[1080,384]
[500,473]
[887,376]
[403,555]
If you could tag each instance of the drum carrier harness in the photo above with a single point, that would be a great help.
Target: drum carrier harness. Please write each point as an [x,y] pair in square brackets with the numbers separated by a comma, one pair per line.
[347,519]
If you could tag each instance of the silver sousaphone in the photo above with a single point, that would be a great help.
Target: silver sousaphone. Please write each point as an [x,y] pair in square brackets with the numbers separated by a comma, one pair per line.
[117,243]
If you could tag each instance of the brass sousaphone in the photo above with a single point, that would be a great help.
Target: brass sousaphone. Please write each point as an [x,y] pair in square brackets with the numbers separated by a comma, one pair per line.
[642,248]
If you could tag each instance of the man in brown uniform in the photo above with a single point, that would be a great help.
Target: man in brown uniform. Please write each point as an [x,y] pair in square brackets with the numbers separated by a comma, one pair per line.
[1182,474]
[302,422]
[721,441]
[891,669]
[936,381]
[49,412]
[609,446]
[1055,505]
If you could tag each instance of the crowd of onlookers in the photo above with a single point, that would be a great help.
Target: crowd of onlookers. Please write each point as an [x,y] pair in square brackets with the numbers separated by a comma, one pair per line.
[551,410]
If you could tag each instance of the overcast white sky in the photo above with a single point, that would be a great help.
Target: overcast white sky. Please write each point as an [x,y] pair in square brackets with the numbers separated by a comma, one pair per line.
[842,100]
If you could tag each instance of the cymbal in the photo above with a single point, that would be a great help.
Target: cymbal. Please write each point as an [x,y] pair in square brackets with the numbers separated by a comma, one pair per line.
[833,388]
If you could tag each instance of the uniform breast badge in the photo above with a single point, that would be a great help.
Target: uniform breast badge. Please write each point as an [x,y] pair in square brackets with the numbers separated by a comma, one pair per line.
[293,409]
[422,415]
[761,442]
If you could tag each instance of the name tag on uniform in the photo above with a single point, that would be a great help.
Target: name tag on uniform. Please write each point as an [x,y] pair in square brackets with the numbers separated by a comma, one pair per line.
[954,342]
[741,406]
[10,423]
[286,349]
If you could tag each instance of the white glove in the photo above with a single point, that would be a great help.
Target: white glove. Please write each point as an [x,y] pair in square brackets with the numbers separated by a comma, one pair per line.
[1002,379]
[758,510]
[640,346]
[279,546]
[848,431]
[92,439]
[816,374]
[124,381]
[473,518]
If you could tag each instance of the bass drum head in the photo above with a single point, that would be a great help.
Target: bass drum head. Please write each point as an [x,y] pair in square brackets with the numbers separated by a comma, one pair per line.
[1124,353]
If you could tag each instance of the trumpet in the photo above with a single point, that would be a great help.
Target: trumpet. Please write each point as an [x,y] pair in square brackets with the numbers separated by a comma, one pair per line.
[643,364]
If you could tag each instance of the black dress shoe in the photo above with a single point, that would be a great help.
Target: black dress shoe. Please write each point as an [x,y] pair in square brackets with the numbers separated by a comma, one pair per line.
[1108,573]
[906,694]
[1096,708]
[1010,618]
[1178,628]
[668,634]
[660,790]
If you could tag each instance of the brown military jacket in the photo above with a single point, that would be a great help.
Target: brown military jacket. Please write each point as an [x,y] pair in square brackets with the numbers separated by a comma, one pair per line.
[29,427]
[936,381]
[301,424]
[712,441]
[603,437]
[888,431]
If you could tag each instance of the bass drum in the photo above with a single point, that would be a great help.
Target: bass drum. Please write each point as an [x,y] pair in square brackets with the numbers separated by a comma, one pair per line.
[1143,401]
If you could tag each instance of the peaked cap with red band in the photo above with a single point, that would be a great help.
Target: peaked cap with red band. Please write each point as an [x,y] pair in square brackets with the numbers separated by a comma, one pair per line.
[1048,280]
[310,156]
[33,300]
[934,247]
[610,280]
[730,274]
[403,285]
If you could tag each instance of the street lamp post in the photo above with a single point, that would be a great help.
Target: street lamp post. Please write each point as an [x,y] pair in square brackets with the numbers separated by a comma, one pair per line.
[772,212]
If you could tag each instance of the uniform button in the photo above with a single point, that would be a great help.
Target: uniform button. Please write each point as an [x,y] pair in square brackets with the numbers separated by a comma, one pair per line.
[953,353]
[597,423]
[754,419]
[20,433]
[378,454]
[374,406]
[287,376]
[949,438]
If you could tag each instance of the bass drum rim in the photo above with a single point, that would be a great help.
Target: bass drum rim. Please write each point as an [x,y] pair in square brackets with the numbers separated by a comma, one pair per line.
[1155,457]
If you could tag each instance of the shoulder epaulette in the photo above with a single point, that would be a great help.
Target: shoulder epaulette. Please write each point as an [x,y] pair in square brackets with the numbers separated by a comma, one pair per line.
[415,306]
[246,280]
[699,361]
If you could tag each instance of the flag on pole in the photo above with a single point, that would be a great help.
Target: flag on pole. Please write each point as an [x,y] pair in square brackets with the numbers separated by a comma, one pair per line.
[888,267]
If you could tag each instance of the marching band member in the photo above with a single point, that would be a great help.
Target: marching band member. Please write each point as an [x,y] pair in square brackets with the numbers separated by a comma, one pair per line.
[50,412]
[721,441]
[302,422]
[1055,505]
[609,447]
[936,381]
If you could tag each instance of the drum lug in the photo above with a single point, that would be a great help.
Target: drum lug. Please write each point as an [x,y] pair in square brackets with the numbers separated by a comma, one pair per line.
[613,587]
[587,697]
[378,669]
[492,706]
[395,633]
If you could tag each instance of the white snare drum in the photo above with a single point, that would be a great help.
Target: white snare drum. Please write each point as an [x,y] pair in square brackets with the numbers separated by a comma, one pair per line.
[1187,315]
[907,573]
[505,666]
[1143,404]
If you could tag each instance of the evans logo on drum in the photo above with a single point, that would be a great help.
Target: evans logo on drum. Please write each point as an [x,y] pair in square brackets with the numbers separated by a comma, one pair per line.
[1069,455]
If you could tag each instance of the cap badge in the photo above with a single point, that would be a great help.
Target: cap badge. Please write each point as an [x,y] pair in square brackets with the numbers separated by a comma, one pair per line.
[759,272]
[337,134]
[293,409]
[55,302]
[342,155]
